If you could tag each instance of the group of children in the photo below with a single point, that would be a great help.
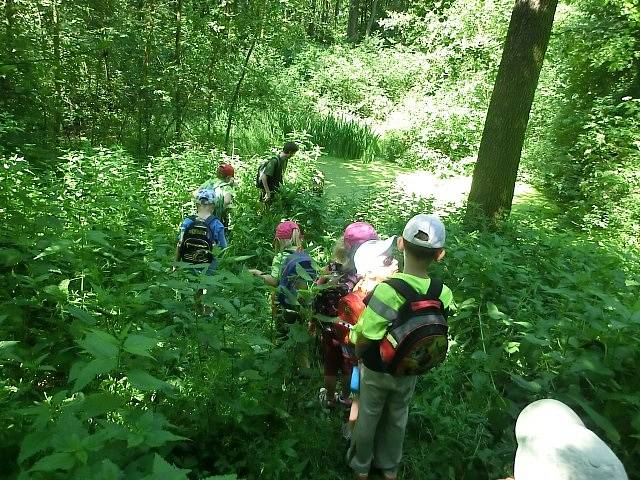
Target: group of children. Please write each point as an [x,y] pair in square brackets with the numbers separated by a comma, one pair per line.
[378,326]
[361,298]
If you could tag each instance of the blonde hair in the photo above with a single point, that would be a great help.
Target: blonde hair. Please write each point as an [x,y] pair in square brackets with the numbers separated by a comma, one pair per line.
[343,254]
[296,239]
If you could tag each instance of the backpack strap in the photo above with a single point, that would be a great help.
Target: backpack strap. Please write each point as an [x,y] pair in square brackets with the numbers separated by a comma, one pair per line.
[435,289]
[404,289]
[415,301]
[210,219]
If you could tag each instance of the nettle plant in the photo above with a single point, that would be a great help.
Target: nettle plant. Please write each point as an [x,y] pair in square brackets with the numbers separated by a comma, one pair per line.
[103,345]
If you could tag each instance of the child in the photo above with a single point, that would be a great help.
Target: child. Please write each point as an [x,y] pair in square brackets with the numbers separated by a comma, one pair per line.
[288,239]
[384,398]
[341,278]
[223,186]
[554,444]
[201,232]
[271,173]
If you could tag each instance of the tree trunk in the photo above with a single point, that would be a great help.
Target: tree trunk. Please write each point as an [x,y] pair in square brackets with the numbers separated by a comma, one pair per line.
[354,16]
[236,92]
[9,12]
[372,17]
[177,95]
[495,173]
[57,80]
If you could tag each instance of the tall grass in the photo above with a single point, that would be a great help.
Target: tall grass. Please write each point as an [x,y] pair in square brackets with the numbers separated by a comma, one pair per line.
[339,136]
[342,137]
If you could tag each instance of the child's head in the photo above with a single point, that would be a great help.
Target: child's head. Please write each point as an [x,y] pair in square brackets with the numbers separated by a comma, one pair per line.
[288,234]
[225,171]
[375,257]
[354,235]
[289,149]
[357,233]
[205,200]
[423,239]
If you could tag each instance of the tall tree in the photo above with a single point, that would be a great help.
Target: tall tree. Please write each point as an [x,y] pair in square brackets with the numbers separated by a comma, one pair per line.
[495,173]
[178,67]
[57,68]
[354,19]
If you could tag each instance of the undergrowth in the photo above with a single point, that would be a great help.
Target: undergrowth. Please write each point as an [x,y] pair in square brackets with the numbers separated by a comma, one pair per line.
[110,372]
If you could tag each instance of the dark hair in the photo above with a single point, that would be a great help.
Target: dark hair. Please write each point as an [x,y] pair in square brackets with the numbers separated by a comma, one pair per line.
[290,147]
[422,253]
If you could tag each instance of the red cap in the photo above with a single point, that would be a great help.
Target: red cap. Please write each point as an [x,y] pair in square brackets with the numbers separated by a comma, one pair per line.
[285,229]
[225,170]
[358,233]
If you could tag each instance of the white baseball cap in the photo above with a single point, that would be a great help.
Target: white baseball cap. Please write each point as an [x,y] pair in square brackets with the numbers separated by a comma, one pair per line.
[425,231]
[372,255]
[554,444]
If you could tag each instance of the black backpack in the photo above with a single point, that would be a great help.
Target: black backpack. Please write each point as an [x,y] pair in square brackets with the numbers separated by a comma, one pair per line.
[417,340]
[198,241]
[273,181]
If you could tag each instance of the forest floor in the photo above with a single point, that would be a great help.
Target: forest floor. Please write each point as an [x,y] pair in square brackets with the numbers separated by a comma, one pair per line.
[353,178]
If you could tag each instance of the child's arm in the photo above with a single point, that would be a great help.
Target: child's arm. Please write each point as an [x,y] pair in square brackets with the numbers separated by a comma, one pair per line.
[266,278]
[222,240]
[180,237]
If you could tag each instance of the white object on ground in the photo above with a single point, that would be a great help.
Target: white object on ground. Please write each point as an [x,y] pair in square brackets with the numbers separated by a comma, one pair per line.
[554,444]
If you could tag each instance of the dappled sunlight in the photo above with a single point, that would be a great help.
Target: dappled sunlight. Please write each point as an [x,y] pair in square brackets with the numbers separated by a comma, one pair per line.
[353,178]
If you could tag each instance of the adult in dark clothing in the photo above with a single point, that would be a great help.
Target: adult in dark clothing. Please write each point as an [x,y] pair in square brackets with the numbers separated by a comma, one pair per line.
[272,173]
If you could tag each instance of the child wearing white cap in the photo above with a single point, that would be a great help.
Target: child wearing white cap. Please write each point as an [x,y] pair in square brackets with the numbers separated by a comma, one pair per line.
[554,444]
[379,432]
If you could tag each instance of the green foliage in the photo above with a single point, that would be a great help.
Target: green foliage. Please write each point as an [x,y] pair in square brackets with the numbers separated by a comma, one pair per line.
[540,313]
[584,149]
[339,136]
[112,349]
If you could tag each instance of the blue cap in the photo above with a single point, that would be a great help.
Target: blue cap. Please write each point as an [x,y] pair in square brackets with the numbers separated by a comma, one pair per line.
[205,196]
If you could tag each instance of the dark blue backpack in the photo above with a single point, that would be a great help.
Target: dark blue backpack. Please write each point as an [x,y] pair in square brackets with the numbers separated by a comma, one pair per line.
[297,272]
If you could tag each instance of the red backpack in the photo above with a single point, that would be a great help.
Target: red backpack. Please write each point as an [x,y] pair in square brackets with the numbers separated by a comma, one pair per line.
[417,340]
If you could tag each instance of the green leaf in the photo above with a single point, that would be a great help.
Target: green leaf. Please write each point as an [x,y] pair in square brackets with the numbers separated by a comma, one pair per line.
[240,258]
[250,375]
[139,345]
[55,461]
[229,476]
[302,273]
[6,69]
[109,471]
[144,381]
[98,366]
[7,344]
[479,355]
[81,315]
[493,311]
[100,403]
[98,237]
[33,443]
[512,347]
[602,422]
[162,470]
[100,344]
[532,386]
[157,438]
[535,340]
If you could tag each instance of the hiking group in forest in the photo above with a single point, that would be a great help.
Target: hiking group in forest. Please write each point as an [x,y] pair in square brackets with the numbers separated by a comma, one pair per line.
[379,326]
